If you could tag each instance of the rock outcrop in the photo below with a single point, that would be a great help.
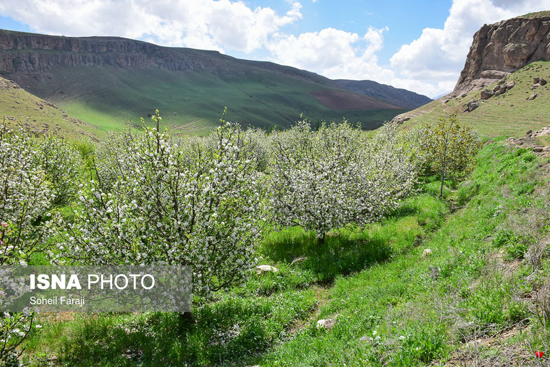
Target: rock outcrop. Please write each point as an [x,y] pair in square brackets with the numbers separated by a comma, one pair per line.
[502,48]
[529,141]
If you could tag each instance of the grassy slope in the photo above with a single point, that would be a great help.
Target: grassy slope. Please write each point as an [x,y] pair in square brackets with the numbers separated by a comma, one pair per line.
[190,102]
[414,311]
[24,109]
[473,300]
[538,14]
[508,114]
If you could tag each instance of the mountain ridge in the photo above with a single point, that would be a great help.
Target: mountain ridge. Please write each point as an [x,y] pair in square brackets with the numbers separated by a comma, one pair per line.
[45,65]
[397,96]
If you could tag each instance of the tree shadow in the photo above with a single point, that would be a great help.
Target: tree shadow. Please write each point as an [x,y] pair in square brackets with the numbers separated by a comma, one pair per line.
[342,253]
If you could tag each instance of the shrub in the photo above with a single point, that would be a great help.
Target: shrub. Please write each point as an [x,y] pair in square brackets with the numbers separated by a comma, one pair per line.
[62,163]
[25,198]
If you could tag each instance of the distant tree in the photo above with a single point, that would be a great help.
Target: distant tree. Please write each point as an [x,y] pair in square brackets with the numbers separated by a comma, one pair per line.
[62,163]
[450,147]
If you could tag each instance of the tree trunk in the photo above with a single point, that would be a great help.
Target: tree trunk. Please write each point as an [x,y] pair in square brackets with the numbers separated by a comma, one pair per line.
[321,240]
[441,189]
[187,316]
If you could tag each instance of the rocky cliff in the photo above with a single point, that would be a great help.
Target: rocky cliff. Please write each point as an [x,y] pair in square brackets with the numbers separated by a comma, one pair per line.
[35,53]
[501,48]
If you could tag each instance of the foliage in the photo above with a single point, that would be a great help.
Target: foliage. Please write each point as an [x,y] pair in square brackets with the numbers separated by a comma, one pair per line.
[166,204]
[25,198]
[451,147]
[326,179]
[62,164]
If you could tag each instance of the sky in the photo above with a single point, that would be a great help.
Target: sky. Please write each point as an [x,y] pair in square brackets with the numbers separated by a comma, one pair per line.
[418,45]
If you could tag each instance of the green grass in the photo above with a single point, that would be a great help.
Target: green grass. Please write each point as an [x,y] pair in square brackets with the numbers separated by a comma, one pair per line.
[405,313]
[538,14]
[509,114]
[393,307]
[543,140]
[21,108]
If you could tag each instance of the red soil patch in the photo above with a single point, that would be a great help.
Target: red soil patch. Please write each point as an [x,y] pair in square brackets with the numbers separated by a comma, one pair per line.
[340,100]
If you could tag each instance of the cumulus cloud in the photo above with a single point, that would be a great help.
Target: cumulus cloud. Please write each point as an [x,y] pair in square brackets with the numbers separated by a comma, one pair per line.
[338,54]
[330,52]
[206,24]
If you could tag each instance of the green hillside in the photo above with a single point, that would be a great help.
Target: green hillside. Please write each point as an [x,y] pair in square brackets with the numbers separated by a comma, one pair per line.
[22,109]
[509,114]
[190,102]
[111,81]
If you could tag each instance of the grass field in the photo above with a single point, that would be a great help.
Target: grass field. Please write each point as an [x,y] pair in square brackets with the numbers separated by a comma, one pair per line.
[475,299]
[509,114]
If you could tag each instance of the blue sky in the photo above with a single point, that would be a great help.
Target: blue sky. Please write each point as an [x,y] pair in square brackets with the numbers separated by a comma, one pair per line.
[419,45]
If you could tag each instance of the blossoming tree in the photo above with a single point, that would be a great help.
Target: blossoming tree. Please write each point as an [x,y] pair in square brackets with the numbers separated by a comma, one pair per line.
[25,198]
[326,179]
[170,202]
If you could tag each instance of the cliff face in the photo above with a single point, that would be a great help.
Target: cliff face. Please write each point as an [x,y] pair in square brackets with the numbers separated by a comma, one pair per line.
[501,48]
[31,53]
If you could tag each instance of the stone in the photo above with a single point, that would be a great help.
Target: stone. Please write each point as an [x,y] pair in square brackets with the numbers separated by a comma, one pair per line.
[326,324]
[535,86]
[427,252]
[487,93]
[538,149]
[542,81]
[510,85]
[494,74]
[266,269]
[472,105]
[532,97]
[399,119]
[501,81]
[497,88]
[536,80]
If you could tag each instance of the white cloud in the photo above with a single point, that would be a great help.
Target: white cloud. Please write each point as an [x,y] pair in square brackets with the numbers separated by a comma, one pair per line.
[206,24]
[338,54]
[330,52]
